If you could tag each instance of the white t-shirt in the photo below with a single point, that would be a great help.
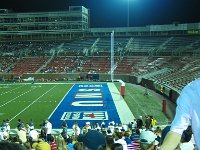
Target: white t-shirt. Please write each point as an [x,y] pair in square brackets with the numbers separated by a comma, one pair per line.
[76,129]
[123,142]
[34,134]
[188,111]
[187,146]
[48,126]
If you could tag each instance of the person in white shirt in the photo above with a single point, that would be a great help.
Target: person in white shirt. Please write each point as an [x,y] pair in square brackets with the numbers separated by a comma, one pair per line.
[48,127]
[3,134]
[118,139]
[187,112]
[34,134]
[76,129]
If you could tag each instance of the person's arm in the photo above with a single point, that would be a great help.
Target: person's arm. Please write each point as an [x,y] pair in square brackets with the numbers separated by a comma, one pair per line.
[171,141]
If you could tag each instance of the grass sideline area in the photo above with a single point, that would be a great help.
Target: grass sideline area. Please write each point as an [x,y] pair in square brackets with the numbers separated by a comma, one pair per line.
[141,105]
[37,101]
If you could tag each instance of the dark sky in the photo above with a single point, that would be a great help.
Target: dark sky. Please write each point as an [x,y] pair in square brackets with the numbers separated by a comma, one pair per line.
[113,13]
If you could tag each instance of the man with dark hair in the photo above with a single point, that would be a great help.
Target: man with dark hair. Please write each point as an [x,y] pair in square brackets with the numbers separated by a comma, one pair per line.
[186,139]
[139,122]
[127,138]
[53,144]
[118,139]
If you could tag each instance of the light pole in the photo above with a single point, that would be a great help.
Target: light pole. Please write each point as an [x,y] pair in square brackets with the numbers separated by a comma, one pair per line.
[128,14]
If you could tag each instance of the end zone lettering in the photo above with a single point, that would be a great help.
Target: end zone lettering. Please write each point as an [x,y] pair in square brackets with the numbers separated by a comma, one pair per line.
[91,85]
[96,115]
[89,90]
[88,95]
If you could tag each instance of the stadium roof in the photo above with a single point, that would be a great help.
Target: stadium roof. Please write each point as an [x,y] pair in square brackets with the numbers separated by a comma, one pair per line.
[113,13]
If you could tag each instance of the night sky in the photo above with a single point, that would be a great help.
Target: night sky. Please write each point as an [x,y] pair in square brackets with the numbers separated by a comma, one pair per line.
[113,13]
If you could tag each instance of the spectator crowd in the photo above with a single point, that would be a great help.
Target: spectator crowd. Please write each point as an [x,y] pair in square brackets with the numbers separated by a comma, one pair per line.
[139,134]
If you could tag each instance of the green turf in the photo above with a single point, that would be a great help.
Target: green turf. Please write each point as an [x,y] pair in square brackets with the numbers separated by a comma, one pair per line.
[38,101]
[30,101]
[141,105]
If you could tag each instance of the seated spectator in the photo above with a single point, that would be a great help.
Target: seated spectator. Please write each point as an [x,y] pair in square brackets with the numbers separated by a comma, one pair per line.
[147,140]
[109,132]
[61,145]
[127,138]
[111,127]
[3,134]
[107,145]
[7,126]
[117,146]
[42,145]
[96,126]
[69,143]
[92,139]
[118,139]
[158,132]
[78,146]
[76,129]
[22,134]
[87,127]
[11,146]
[33,134]
[135,136]
[27,145]
[53,144]
[103,124]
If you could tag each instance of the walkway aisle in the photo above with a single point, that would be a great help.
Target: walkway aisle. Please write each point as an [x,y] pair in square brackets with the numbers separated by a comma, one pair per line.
[123,110]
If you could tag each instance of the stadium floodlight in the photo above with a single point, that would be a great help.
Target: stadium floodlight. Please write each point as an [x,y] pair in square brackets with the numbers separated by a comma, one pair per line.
[128,13]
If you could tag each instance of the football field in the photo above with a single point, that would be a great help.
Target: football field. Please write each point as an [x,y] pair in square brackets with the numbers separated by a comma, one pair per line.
[68,101]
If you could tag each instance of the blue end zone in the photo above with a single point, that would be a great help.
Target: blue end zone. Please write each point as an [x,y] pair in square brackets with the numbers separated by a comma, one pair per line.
[86,102]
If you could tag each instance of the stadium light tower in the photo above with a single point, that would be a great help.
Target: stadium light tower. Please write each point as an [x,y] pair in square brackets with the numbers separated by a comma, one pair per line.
[128,24]
[128,12]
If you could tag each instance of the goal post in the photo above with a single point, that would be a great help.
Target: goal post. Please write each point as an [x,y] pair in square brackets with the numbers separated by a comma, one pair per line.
[112,57]
[122,87]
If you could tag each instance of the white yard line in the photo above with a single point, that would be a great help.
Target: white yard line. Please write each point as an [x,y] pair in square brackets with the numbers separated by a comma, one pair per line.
[141,108]
[60,101]
[33,102]
[15,98]
[11,90]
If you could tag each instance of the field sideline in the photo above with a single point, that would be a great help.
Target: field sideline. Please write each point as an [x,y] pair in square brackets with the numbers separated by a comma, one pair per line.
[38,101]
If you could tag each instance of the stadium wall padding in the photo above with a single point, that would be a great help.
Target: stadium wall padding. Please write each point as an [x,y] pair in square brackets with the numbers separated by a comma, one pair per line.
[172,95]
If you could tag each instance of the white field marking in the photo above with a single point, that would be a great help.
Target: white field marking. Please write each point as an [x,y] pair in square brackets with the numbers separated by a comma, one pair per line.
[60,102]
[136,102]
[32,103]
[40,83]
[11,90]
[16,98]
